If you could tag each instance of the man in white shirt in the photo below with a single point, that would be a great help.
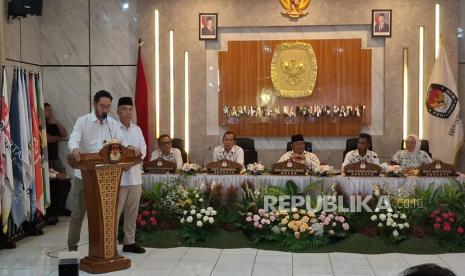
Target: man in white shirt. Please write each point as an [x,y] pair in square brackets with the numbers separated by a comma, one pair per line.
[229,150]
[131,180]
[167,152]
[362,152]
[300,155]
[88,136]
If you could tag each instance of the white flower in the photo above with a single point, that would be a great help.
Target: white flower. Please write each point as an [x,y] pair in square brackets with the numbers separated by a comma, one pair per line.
[380,225]
[263,221]
[374,217]
[389,215]
[406,225]
[401,226]
[294,210]
[182,220]
[189,219]
[199,216]
[205,219]
[331,231]
[283,229]
[184,213]
[196,195]
[207,213]
[395,233]
[382,217]
[213,213]
[377,210]
[393,224]
[202,211]
[395,216]
[211,220]
[210,209]
[199,224]
[389,210]
[334,224]
[200,199]
[403,216]
[192,212]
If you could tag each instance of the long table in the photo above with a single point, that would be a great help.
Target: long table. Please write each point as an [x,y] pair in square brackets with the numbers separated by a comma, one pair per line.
[349,185]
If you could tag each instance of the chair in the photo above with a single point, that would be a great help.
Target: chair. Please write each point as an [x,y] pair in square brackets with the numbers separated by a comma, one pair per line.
[179,144]
[248,145]
[424,146]
[308,146]
[351,144]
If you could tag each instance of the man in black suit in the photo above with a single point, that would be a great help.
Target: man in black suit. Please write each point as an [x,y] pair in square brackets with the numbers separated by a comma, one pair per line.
[381,27]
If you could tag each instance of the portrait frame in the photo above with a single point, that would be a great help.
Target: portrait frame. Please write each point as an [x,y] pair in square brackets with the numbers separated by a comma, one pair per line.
[381,30]
[206,33]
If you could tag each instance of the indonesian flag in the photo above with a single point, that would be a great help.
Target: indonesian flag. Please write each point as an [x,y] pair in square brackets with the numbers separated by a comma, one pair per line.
[37,162]
[142,100]
[443,121]
[6,169]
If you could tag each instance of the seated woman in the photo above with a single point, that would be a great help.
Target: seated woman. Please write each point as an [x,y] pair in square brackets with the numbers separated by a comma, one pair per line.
[412,157]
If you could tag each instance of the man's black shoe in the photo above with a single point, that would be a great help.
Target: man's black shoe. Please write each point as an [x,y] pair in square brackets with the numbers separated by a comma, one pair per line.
[133,248]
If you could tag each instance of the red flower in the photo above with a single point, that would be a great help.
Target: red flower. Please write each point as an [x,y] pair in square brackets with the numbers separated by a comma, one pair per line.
[145,213]
[154,222]
[438,219]
[460,230]
[446,227]
[451,219]
[154,213]
[445,215]
[434,213]
[143,223]
[437,226]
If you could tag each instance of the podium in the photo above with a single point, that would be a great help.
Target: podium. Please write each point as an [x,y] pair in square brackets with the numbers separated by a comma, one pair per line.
[101,176]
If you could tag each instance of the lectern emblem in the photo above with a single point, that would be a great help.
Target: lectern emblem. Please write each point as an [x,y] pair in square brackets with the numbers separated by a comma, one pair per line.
[294,69]
[114,154]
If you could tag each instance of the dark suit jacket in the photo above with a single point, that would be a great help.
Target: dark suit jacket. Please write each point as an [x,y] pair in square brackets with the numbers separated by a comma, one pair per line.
[384,29]
[206,31]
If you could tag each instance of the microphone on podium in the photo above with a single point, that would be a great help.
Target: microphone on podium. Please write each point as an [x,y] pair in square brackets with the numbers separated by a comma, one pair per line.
[105,117]
[204,155]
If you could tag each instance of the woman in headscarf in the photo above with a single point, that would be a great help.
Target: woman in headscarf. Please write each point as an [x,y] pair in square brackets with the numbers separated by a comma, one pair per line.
[411,157]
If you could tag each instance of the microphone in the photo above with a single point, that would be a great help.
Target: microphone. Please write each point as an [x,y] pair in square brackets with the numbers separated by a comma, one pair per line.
[105,117]
[204,155]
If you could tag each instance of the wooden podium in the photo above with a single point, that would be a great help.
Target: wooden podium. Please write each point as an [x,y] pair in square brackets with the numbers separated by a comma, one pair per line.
[101,176]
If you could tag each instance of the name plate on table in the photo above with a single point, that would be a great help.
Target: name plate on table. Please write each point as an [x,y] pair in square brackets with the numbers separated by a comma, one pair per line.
[224,167]
[159,166]
[362,168]
[289,168]
[437,168]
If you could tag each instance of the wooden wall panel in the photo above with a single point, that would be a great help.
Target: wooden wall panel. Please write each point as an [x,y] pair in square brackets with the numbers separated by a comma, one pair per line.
[344,78]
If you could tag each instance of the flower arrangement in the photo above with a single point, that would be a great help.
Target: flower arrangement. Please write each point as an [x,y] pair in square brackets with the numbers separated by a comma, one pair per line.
[334,225]
[299,229]
[147,220]
[446,225]
[323,170]
[392,225]
[197,224]
[190,168]
[394,171]
[258,226]
[255,168]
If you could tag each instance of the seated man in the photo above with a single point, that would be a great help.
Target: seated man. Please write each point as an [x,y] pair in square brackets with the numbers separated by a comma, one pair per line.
[167,152]
[362,152]
[299,154]
[229,150]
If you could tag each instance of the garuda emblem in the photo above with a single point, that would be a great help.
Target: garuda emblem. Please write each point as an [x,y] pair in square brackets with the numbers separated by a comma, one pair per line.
[295,8]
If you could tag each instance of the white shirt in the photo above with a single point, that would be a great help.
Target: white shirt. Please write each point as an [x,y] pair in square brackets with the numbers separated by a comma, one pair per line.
[133,136]
[353,157]
[236,154]
[174,156]
[311,160]
[89,134]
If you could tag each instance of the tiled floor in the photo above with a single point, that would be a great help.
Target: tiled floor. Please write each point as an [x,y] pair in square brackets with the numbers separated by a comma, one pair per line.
[30,258]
